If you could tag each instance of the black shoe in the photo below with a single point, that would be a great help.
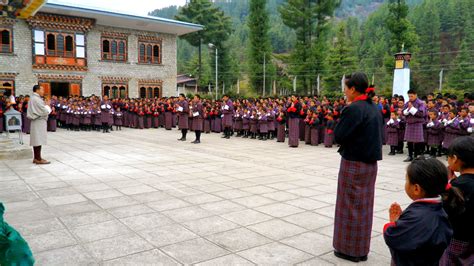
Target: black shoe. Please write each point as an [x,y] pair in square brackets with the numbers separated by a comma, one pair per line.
[196,142]
[182,139]
[391,153]
[349,258]
[227,137]
[400,152]
[408,159]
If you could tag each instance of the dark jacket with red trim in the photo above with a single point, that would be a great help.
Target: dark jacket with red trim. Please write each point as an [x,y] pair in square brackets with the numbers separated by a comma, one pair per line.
[420,235]
[359,132]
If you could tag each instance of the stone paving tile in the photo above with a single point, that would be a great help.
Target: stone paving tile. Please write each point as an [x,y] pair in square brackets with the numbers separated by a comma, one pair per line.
[112,192]
[93,232]
[315,262]
[210,225]
[128,211]
[115,202]
[187,214]
[195,250]
[118,246]
[310,242]
[152,257]
[231,259]
[50,240]
[39,227]
[274,254]
[222,207]
[168,204]
[279,209]
[253,201]
[146,221]
[309,220]
[166,235]
[277,229]
[246,217]
[73,255]
[238,239]
[80,219]
[103,194]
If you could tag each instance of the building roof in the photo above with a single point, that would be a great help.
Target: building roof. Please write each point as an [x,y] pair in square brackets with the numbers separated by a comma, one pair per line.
[180,79]
[122,20]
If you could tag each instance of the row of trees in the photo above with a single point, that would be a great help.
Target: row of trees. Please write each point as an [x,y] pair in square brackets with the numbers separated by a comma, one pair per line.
[306,39]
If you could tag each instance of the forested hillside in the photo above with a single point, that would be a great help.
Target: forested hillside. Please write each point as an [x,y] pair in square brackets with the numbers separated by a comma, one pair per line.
[359,35]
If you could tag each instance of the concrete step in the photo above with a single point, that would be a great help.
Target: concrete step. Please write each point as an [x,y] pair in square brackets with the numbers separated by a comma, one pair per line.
[10,149]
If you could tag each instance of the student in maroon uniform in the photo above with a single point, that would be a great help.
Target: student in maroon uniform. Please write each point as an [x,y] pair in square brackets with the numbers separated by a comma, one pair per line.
[118,119]
[392,127]
[329,136]
[461,159]
[434,130]
[182,108]
[197,113]
[293,112]
[420,234]
[415,115]
[314,129]
[359,132]
[228,112]
[281,119]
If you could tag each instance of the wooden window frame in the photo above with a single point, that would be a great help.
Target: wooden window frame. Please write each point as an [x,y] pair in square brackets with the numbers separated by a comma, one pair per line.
[109,56]
[11,81]
[150,59]
[55,52]
[150,91]
[111,85]
[10,36]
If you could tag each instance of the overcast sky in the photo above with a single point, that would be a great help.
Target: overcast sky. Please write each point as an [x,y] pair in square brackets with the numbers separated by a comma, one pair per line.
[139,7]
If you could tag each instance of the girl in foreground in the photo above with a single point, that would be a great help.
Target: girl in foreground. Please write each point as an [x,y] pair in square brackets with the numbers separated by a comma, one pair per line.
[420,234]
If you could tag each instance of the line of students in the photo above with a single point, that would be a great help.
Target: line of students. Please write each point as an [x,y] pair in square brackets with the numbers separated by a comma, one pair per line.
[428,125]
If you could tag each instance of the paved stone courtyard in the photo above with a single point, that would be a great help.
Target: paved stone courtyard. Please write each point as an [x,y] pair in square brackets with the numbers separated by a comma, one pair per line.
[140,198]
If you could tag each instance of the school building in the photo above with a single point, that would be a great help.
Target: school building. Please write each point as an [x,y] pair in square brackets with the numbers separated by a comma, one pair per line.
[72,50]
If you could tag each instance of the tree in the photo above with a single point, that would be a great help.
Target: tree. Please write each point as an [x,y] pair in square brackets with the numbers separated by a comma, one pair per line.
[217,27]
[403,33]
[260,49]
[428,25]
[341,59]
[462,76]
[309,19]
[192,68]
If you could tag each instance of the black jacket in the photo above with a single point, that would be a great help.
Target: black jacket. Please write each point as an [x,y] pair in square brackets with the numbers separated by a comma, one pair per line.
[463,223]
[420,235]
[359,132]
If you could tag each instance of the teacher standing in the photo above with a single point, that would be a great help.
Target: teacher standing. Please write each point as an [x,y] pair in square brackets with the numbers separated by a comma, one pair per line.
[359,132]
[38,111]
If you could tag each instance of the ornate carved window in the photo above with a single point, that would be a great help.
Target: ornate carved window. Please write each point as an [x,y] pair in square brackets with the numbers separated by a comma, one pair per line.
[150,88]
[115,87]
[7,87]
[114,49]
[60,44]
[59,41]
[6,40]
[149,50]
[114,46]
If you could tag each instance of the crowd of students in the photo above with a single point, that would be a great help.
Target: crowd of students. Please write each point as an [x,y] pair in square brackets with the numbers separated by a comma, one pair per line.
[427,125]
[435,229]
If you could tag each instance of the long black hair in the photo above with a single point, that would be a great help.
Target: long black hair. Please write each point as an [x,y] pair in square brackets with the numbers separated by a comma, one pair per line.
[463,149]
[432,176]
[360,82]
